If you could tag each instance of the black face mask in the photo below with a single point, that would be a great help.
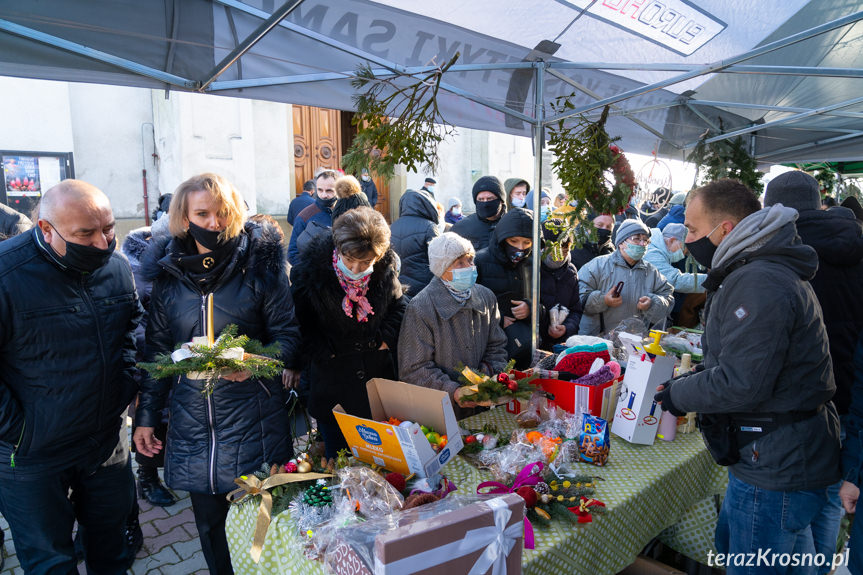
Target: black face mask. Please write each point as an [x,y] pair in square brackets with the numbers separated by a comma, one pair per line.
[322,203]
[207,238]
[486,210]
[514,254]
[85,259]
[703,249]
[602,236]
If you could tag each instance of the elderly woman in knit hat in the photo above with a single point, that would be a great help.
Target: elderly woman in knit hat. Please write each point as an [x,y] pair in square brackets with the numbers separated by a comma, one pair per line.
[645,292]
[666,251]
[451,321]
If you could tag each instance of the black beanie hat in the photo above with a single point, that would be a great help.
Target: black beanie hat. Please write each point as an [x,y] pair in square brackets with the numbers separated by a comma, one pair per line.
[795,189]
[852,204]
[489,184]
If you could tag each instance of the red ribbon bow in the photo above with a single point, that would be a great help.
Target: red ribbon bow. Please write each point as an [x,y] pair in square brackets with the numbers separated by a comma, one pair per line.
[583,509]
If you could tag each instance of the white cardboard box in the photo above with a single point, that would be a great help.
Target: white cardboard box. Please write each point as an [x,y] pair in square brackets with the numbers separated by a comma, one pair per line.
[636,417]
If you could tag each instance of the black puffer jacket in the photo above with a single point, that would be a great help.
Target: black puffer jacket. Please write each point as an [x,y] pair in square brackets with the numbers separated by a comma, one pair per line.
[837,238]
[343,352]
[67,358]
[411,234]
[559,286]
[475,230]
[589,251]
[214,439]
[509,281]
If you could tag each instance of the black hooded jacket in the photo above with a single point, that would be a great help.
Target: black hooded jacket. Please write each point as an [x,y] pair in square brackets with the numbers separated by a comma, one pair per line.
[344,353]
[215,438]
[509,281]
[411,234]
[838,239]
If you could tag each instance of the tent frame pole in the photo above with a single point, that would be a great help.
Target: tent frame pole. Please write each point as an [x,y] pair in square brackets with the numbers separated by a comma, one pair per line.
[249,42]
[98,55]
[538,144]
[715,67]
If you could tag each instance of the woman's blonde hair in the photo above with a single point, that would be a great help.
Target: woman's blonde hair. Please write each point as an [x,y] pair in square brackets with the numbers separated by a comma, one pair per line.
[360,232]
[233,208]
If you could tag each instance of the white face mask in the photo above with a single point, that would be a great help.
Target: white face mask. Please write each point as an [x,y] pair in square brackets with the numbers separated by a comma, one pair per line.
[518,202]
[456,211]
[366,177]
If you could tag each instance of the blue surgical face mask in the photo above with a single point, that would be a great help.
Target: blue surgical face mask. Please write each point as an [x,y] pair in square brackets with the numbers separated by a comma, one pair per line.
[543,213]
[462,278]
[676,256]
[351,275]
[518,202]
[634,252]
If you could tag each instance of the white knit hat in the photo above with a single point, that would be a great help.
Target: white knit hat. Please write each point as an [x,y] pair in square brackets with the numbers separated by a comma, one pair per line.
[445,249]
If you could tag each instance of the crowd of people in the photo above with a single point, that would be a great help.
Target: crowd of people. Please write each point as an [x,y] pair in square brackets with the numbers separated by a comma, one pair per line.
[349,298]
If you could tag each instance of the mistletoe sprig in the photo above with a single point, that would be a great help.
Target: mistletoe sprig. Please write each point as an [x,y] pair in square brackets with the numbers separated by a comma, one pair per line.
[725,159]
[569,500]
[586,160]
[258,359]
[398,123]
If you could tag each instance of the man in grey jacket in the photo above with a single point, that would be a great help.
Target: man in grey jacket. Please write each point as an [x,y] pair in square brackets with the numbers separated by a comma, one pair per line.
[452,320]
[645,292]
[763,396]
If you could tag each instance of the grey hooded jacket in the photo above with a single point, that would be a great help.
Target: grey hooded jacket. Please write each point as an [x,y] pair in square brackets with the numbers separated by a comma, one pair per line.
[601,274]
[765,351]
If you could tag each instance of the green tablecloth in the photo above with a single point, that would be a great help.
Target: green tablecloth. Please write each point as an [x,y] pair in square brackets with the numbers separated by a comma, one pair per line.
[664,488]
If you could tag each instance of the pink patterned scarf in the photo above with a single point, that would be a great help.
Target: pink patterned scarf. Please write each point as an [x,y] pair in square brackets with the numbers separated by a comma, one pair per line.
[355,291]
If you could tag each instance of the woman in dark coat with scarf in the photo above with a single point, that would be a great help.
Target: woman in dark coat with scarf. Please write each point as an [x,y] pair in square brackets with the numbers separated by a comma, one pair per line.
[243,423]
[350,306]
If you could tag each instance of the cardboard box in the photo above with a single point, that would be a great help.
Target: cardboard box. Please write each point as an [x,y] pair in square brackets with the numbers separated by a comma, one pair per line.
[647,566]
[402,449]
[454,542]
[636,417]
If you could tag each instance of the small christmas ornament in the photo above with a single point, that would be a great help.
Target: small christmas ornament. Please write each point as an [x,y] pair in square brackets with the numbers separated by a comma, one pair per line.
[542,488]
[528,494]
[318,495]
[291,467]
[304,467]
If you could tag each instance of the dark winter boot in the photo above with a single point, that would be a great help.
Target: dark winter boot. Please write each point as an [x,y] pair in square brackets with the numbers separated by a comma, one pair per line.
[151,487]
[134,537]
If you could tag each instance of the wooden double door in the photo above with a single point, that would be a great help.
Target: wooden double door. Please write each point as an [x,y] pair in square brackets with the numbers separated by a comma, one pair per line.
[321,136]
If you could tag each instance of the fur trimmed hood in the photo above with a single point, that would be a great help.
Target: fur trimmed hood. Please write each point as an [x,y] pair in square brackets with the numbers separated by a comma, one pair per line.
[261,249]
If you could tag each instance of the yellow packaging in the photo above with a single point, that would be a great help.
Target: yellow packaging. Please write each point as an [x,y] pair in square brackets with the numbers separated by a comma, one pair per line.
[402,449]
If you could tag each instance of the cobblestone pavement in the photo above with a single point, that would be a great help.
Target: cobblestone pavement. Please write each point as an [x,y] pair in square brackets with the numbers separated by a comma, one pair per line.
[171,545]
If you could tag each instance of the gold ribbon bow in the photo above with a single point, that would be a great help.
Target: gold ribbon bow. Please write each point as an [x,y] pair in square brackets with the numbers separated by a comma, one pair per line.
[251,486]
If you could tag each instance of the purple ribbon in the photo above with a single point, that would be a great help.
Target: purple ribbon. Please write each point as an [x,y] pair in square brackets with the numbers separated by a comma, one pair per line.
[445,489]
[527,476]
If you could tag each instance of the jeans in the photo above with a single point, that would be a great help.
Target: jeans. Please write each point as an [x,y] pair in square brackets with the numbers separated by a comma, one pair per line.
[754,520]
[855,546]
[211,511]
[41,515]
[334,441]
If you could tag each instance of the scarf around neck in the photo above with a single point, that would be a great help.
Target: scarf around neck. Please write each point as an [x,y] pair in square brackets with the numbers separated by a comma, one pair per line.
[355,293]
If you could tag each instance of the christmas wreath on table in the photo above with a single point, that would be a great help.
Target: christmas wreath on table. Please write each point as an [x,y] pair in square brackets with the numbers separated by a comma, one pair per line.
[586,161]
[493,390]
[229,353]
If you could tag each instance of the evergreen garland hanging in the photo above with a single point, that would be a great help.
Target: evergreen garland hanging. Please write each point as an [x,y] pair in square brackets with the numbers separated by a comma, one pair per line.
[594,172]
[725,159]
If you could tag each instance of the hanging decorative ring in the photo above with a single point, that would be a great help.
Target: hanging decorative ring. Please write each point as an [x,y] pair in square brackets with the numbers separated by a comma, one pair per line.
[654,186]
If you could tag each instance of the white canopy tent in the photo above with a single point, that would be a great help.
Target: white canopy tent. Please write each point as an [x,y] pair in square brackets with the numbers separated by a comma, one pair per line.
[783,74]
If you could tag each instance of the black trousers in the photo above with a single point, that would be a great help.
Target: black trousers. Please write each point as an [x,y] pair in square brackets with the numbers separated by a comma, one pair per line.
[210,514]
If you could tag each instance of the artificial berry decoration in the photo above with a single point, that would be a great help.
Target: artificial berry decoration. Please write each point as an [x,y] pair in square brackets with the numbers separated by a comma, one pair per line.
[290,467]
[502,378]
[397,480]
[528,494]
[470,439]
[512,386]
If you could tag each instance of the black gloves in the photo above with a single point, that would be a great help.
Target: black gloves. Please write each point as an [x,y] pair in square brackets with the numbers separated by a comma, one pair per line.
[664,398]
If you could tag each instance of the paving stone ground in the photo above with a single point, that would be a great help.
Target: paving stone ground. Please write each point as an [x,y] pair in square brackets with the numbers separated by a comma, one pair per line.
[171,545]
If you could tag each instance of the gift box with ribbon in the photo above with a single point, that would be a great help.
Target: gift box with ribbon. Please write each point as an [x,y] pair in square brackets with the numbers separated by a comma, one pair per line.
[481,538]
